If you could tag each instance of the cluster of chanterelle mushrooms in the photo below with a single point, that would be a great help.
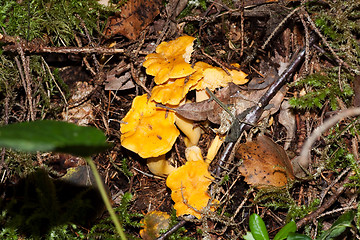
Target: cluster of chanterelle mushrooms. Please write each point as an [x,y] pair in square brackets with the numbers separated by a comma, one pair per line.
[151,131]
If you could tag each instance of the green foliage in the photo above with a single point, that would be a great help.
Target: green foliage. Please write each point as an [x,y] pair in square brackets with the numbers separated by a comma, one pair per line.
[55,19]
[47,135]
[258,229]
[275,198]
[286,230]
[339,226]
[37,192]
[43,83]
[323,87]
[37,204]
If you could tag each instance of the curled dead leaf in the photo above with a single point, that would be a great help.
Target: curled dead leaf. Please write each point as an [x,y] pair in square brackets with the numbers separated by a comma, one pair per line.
[265,163]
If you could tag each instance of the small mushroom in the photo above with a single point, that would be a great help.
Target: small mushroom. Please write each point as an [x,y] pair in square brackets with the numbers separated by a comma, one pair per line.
[160,166]
[174,91]
[214,148]
[215,77]
[192,133]
[148,130]
[171,60]
[189,184]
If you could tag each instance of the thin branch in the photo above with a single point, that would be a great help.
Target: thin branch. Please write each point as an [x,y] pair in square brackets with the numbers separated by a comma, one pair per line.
[35,47]
[303,161]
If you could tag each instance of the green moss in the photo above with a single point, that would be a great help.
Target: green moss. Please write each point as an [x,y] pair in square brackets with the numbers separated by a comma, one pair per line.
[340,24]
[323,87]
[55,20]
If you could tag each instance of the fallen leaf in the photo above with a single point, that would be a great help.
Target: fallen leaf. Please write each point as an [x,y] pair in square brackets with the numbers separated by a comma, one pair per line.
[119,78]
[265,163]
[134,17]
[233,97]
[287,119]
[153,223]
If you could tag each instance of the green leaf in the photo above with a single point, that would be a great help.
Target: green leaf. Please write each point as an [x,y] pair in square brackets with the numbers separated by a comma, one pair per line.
[248,236]
[297,236]
[258,228]
[53,136]
[339,226]
[284,231]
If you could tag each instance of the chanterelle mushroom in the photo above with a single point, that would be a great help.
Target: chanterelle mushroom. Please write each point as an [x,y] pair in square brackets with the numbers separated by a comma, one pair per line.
[171,60]
[148,130]
[189,183]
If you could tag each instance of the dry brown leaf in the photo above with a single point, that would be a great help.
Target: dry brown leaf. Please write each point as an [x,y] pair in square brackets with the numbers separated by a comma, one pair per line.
[135,15]
[232,96]
[265,163]
[119,78]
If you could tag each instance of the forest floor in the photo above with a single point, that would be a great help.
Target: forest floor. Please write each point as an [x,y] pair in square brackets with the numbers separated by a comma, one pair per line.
[292,142]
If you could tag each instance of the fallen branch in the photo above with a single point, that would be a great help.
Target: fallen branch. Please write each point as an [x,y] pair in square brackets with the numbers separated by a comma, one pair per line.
[38,47]
[254,114]
[302,162]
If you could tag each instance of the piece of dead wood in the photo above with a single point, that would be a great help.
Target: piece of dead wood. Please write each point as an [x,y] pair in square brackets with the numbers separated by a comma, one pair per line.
[39,47]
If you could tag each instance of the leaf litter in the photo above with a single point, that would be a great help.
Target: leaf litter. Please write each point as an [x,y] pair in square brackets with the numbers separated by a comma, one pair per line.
[261,161]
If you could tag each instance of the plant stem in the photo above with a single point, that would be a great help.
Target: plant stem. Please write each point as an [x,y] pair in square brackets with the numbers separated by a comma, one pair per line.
[105,198]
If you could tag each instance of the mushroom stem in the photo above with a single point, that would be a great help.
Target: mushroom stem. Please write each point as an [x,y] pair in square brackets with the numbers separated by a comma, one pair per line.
[191,132]
[214,148]
[160,166]
[193,154]
[201,95]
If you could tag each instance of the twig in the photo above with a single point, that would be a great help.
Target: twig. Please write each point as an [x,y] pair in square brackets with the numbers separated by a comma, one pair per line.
[216,61]
[326,205]
[34,47]
[278,27]
[312,23]
[324,192]
[303,161]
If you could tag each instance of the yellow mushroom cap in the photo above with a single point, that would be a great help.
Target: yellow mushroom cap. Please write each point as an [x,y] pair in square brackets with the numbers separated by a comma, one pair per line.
[215,77]
[189,183]
[174,91]
[147,130]
[171,60]
[238,77]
